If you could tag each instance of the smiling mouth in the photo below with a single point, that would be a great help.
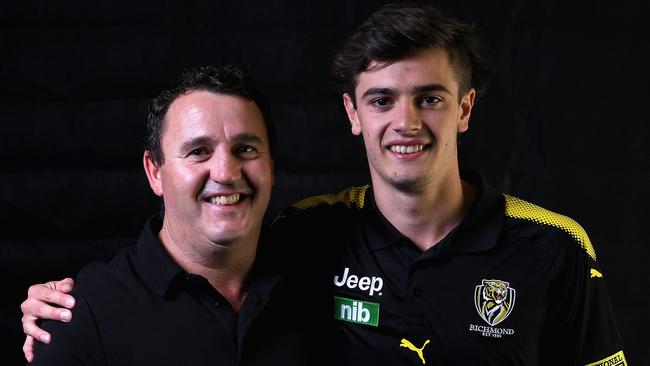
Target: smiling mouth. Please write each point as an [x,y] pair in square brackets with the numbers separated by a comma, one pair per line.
[404,149]
[226,200]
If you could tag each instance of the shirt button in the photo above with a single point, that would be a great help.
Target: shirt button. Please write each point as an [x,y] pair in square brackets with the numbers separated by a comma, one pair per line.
[216,304]
[417,292]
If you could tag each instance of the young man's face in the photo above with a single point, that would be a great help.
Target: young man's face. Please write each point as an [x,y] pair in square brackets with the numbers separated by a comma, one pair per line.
[217,173]
[409,116]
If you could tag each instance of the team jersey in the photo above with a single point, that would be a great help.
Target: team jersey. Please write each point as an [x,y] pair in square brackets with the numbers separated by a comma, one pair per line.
[512,284]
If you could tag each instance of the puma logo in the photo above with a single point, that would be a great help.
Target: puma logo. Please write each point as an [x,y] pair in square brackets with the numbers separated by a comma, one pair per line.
[595,273]
[406,343]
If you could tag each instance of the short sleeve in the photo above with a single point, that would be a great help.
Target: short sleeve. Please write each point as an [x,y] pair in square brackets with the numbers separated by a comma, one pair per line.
[587,313]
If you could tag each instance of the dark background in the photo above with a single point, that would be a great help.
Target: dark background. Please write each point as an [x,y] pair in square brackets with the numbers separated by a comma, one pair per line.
[564,123]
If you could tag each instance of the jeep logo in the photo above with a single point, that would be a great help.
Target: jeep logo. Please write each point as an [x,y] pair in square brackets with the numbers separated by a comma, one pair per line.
[371,285]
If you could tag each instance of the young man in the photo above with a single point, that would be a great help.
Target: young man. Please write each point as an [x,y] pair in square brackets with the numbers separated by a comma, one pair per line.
[194,289]
[429,265]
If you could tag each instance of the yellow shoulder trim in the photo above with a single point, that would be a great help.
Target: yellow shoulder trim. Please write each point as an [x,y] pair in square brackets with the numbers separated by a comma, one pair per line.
[349,197]
[520,209]
[617,359]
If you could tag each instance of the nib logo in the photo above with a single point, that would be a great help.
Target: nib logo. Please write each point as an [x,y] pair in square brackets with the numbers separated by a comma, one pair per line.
[356,311]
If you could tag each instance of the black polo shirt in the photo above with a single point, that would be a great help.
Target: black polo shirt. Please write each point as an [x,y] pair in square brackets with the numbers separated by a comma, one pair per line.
[143,309]
[512,284]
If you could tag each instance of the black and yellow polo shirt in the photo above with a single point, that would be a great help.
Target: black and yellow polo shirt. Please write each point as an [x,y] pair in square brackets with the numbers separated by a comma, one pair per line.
[513,284]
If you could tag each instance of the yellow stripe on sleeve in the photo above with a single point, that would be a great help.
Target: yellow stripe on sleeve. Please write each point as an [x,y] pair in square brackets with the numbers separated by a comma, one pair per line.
[520,209]
[354,196]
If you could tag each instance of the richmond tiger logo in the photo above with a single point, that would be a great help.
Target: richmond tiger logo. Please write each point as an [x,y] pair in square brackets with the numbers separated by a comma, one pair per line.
[494,300]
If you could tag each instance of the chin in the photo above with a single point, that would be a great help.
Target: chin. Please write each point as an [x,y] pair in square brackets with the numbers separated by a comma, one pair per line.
[225,239]
[410,184]
[225,235]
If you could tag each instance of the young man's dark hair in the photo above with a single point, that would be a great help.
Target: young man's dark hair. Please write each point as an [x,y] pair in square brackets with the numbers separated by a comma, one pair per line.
[228,79]
[396,32]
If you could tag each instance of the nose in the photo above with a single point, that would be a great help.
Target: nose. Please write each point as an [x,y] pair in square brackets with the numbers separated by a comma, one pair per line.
[225,168]
[407,121]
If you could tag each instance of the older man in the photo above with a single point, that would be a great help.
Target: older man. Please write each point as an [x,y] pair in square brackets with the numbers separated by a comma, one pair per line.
[194,289]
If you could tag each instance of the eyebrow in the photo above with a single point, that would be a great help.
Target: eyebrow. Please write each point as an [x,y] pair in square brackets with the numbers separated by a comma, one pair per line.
[379,91]
[196,141]
[430,87]
[416,90]
[244,137]
[247,137]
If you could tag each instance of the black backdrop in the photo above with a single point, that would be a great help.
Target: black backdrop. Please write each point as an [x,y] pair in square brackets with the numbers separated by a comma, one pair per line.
[564,123]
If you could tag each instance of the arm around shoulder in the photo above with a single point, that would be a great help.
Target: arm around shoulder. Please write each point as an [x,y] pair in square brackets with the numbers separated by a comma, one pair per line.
[75,343]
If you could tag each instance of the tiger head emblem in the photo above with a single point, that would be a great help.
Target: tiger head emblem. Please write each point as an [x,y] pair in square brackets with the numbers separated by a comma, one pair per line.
[494,300]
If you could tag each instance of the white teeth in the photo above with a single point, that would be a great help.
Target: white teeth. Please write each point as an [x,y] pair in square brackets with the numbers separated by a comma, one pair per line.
[403,149]
[225,200]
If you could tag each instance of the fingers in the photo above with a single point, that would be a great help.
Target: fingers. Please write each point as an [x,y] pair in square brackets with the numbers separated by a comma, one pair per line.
[50,292]
[30,328]
[65,285]
[28,348]
[37,306]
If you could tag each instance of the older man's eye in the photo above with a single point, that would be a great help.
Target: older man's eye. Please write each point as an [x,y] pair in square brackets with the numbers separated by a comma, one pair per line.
[247,151]
[247,148]
[199,151]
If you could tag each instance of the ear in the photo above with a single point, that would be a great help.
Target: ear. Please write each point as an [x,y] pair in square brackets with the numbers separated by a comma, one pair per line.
[153,173]
[355,126]
[466,105]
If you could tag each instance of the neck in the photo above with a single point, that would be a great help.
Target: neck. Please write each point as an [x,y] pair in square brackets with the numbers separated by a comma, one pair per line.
[225,266]
[427,216]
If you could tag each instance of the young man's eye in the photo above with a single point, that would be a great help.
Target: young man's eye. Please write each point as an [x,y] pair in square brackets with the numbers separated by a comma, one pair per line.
[380,102]
[430,100]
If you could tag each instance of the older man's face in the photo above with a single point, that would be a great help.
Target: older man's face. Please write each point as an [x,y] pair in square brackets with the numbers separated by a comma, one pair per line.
[217,173]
